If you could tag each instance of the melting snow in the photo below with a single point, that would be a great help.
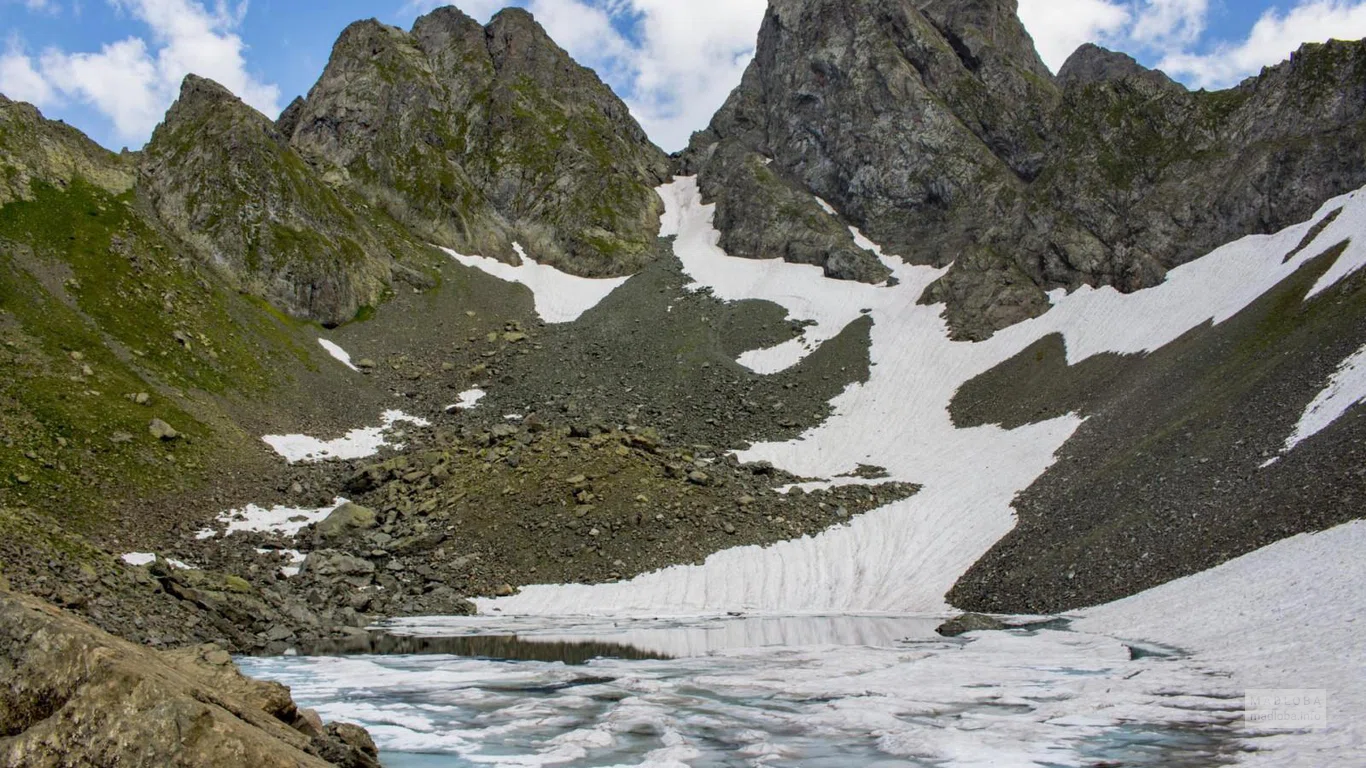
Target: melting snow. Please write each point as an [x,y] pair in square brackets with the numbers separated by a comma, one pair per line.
[340,354]
[904,557]
[1283,617]
[147,558]
[1004,699]
[560,297]
[1345,389]
[356,444]
[279,519]
[468,400]
[296,559]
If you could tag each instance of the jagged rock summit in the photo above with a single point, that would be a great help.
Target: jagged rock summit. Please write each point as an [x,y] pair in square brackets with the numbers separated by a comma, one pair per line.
[478,136]
[936,129]
[226,182]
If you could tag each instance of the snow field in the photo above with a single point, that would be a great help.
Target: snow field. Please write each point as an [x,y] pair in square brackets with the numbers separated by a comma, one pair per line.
[559,296]
[904,557]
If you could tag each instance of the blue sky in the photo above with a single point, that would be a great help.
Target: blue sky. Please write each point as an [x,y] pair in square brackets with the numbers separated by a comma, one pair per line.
[111,67]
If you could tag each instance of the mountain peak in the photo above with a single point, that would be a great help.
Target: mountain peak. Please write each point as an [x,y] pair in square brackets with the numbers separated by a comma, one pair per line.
[1093,64]
[479,136]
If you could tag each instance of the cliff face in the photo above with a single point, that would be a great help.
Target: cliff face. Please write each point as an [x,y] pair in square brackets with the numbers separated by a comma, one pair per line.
[935,128]
[223,180]
[35,149]
[479,136]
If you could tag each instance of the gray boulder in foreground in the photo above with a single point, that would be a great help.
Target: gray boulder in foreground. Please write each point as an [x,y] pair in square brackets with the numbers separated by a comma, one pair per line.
[75,695]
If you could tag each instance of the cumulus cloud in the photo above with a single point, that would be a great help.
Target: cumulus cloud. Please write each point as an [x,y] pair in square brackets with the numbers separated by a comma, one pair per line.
[20,81]
[1168,23]
[133,81]
[1274,37]
[1059,27]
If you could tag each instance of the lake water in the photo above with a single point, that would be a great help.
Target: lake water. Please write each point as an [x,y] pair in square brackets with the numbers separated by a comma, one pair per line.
[786,692]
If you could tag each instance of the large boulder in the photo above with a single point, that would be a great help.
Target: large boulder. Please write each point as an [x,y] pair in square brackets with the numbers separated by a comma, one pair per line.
[75,695]
[344,520]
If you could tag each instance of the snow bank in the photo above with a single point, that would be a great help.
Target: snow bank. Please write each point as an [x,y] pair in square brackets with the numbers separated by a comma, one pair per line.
[560,297]
[287,521]
[1345,389]
[356,444]
[1284,617]
[337,352]
[904,557]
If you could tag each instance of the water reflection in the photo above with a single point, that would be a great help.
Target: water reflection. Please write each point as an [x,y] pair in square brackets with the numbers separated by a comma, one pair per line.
[499,647]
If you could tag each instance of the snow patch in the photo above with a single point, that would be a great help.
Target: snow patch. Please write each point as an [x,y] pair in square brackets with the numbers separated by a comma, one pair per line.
[296,559]
[560,297]
[337,352]
[828,208]
[1346,388]
[356,444]
[287,521]
[905,556]
[147,558]
[468,400]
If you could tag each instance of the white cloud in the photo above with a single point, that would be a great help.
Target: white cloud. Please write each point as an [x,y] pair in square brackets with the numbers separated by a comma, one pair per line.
[1275,36]
[20,81]
[478,9]
[1059,27]
[1168,23]
[133,81]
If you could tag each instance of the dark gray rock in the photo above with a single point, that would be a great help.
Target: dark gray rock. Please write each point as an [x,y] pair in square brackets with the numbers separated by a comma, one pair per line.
[477,136]
[935,128]
[970,622]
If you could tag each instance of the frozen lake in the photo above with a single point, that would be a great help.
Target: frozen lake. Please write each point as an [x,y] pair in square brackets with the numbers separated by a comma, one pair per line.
[770,691]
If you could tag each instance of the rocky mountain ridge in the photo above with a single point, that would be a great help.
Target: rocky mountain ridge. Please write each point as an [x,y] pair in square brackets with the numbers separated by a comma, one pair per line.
[935,128]
[476,136]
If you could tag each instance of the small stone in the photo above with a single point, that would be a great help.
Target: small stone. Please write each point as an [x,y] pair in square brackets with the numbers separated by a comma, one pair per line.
[162,431]
[969,622]
[729,529]
[366,364]
[697,477]
[505,590]
[23,479]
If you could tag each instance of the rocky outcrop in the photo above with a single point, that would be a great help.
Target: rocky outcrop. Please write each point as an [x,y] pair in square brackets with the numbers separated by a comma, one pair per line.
[74,695]
[916,124]
[477,137]
[225,181]
[935,128]
[36,149]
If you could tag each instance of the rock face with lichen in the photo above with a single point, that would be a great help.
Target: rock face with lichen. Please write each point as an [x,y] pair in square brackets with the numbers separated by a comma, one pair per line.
[478,136]
[935,128]
[226,182]
[35,149]
[74,695]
